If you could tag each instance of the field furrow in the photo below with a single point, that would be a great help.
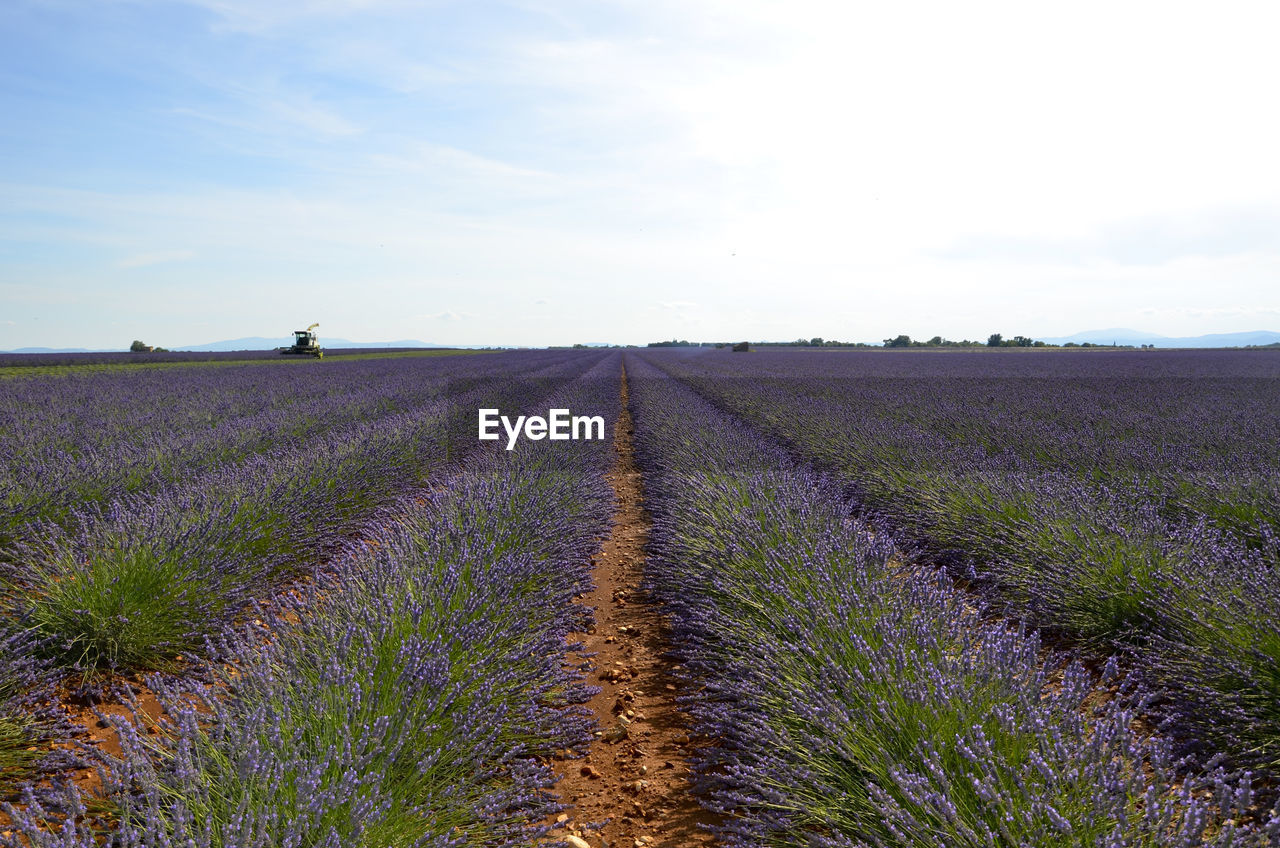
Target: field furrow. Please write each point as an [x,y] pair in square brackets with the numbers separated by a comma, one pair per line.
[633,785]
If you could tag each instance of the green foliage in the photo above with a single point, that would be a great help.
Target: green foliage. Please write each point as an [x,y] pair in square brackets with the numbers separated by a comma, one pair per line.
[127,607]
[17,736]
[997,340]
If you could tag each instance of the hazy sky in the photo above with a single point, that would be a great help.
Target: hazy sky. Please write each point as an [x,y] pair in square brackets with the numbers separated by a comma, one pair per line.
[556,171]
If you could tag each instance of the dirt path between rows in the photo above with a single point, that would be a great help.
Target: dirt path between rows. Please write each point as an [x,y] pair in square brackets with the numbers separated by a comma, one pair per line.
[632,789]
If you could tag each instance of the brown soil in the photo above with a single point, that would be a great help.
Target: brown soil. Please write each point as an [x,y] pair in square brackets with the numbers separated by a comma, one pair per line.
[94,733]
[634,782]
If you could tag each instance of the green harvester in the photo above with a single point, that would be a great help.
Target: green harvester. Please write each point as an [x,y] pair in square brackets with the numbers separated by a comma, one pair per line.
[305,343]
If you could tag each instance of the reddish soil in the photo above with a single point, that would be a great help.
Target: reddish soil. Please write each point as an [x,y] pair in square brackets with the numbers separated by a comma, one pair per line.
[103,736]
[632,788]
[95,733]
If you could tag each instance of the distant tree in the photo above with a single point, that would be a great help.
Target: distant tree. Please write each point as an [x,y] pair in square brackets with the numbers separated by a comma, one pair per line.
[937,341]
[995,340]
[899,341]
[139,347]
[816,341]
[1022,341]
[741,347]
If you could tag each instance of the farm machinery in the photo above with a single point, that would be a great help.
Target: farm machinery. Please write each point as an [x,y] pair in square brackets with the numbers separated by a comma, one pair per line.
[305,343]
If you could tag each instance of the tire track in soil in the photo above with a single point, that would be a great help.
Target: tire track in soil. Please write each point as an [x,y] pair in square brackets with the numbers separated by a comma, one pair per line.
[635,781]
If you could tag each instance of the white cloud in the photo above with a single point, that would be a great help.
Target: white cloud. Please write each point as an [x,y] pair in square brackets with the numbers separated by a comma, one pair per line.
[1149,240]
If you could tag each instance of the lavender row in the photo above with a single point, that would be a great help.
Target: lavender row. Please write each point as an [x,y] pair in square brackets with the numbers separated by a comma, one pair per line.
[79,438]
[1194,431]
[849,702]
[143,581]
[411,698]
[144,577]
[120,359]
[1083,552]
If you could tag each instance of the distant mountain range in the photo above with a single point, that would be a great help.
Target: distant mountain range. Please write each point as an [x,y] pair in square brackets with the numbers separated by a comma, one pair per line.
[1124,336]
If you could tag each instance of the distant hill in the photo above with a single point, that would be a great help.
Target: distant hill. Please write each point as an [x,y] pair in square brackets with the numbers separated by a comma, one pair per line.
[1125,336]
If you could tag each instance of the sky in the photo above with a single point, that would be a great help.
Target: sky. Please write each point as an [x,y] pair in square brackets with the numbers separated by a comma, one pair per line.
[542,172]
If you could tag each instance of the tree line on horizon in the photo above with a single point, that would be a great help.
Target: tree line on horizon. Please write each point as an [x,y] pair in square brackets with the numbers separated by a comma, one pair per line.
[901,341]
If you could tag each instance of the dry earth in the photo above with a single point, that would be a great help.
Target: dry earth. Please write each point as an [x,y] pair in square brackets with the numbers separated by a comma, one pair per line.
[632,789]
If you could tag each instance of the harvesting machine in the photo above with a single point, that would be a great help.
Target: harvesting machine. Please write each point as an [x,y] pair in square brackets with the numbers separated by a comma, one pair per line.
[305,343]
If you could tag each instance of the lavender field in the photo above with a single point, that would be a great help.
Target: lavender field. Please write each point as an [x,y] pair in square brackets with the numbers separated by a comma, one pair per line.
[916,599]
[1128,501]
